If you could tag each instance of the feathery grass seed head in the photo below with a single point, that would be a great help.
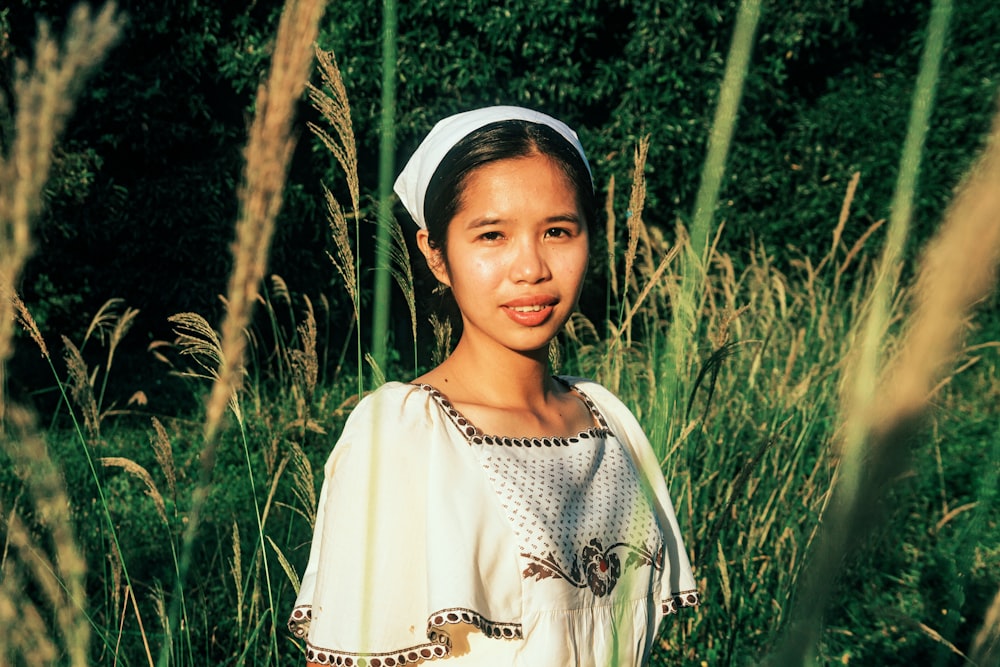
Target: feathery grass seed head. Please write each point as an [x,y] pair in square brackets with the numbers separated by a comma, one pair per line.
[164,455]
[267,155]
[82,388]
[136,470]
[28,323]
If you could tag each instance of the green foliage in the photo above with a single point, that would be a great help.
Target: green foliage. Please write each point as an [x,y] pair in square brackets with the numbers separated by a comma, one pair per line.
[934,568]
[144,188]
[749,477]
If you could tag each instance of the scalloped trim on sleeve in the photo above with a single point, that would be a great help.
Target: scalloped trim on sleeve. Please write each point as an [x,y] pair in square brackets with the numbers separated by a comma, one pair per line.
[681,600]
[298,622]
[491,629]
[438,647]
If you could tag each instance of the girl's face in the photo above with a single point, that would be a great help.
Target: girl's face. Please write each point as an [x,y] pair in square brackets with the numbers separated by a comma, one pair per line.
[517,253]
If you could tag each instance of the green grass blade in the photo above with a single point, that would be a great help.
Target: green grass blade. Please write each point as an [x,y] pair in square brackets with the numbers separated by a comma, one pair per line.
[693,262]
[387,168]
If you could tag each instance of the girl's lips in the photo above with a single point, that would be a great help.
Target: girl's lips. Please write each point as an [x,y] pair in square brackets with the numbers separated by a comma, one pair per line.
[532,310]
[529,302]
[529,315]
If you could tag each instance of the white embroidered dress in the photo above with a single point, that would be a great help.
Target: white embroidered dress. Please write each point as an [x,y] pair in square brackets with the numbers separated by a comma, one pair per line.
[433,539]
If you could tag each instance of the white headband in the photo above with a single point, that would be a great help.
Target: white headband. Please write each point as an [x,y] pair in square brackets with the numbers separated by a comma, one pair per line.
[411,186]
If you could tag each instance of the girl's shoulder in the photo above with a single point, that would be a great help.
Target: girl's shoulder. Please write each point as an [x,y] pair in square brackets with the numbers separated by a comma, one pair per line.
[385,425]
[597,392]
[396,396]
[393,407]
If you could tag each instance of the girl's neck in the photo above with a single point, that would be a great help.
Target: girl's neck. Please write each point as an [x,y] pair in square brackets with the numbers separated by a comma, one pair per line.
[506,380]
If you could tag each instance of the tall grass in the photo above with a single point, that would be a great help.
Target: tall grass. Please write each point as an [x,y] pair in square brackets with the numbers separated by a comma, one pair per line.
[386,176]
[39,548]
[874,443]
[332,103]
[694,260]
[202,528]
[268,152]
[44,95]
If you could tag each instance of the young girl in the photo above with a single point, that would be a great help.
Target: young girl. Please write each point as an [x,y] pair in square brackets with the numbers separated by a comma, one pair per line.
[488,511]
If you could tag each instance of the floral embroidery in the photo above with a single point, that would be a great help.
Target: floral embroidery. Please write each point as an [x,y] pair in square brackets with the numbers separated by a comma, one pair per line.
[601,566]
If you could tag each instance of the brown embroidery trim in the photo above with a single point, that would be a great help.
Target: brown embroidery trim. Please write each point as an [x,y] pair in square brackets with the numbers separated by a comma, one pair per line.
[298,622]
[477,437]
[439,646]
[681,600]
[491,629]
[601,567]
[586,400]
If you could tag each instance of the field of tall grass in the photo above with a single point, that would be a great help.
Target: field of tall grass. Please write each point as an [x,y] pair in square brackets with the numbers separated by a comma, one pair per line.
[829,432]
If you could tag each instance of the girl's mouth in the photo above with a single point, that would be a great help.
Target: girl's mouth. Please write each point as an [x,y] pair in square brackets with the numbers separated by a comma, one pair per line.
[529,316]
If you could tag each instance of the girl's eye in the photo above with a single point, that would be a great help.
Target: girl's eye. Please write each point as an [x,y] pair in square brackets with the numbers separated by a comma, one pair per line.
[557,232]
[491,236]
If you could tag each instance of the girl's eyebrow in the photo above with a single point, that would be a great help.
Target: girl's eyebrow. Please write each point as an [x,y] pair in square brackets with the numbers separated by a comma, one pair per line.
[483,222]
[491,222]
[565,217]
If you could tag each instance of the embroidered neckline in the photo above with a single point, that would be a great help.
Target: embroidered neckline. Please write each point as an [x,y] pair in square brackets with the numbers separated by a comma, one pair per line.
[477,436]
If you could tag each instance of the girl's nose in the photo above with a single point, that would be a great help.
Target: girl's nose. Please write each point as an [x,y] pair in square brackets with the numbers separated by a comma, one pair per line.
[528,264]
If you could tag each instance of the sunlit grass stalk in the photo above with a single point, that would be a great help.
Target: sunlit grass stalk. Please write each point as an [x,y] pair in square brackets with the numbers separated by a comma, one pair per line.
[260,357]
[381,294]
[876,322]
[685,302]
[45,97]
[884,408]
[273,639]
[634,221]
[268,151]
[121,327]
[267,155]
[60,580]
[986,644]
[611,293]
[402,273]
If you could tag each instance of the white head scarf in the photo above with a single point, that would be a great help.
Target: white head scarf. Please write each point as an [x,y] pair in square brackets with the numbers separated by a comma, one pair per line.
[411,186]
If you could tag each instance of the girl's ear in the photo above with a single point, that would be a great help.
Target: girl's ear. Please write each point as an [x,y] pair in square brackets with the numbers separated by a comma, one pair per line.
[435,261]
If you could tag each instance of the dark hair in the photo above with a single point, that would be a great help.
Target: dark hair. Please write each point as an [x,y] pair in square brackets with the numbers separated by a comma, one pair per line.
[501,140]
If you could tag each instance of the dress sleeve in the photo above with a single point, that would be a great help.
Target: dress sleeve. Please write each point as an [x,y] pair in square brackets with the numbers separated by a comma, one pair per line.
[677,585]
[406,556]
[364,589]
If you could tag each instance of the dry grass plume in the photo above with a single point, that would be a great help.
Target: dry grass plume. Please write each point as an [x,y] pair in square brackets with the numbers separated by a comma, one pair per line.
[268,151]
[81,388]
[44,95]
[56,571]
[336,110]
[958,269]
[136,470]
[165,456]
